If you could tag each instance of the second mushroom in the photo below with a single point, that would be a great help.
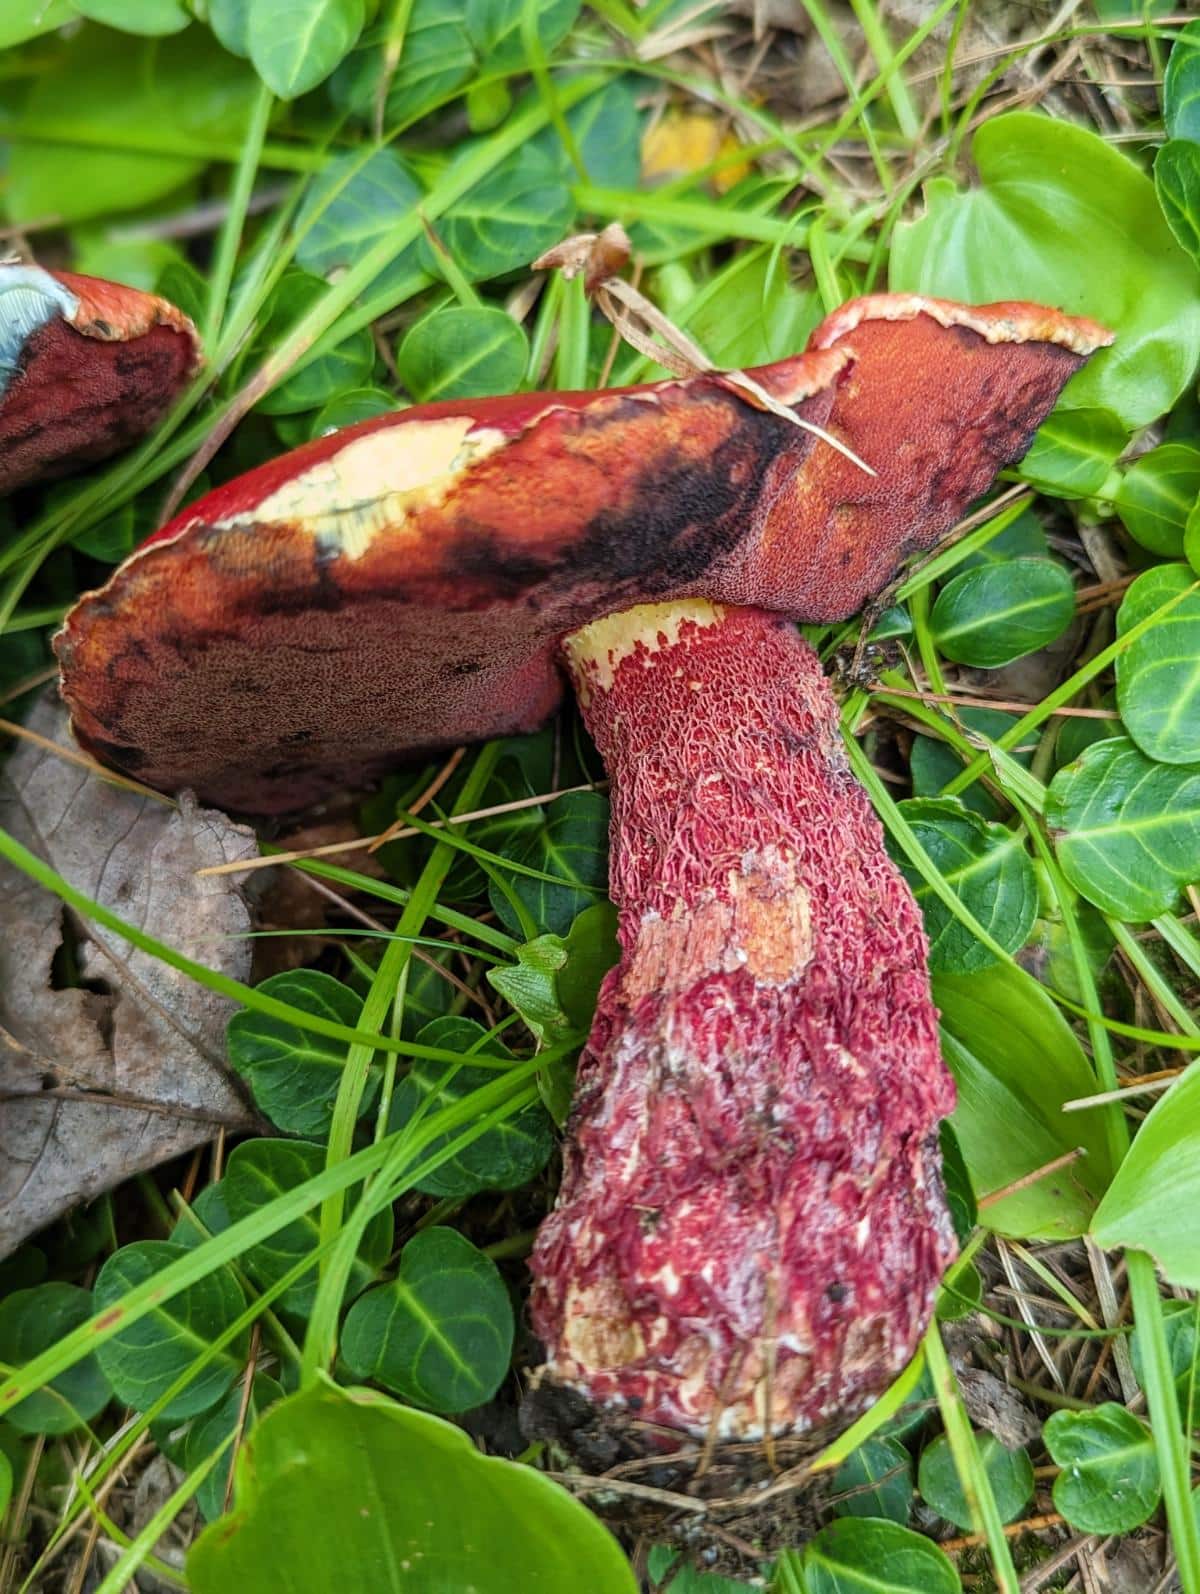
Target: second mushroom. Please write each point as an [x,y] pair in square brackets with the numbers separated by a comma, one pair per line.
[751,1224]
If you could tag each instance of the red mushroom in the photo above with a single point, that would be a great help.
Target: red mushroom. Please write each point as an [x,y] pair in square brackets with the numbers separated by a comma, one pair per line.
[86,368]
[751,1224]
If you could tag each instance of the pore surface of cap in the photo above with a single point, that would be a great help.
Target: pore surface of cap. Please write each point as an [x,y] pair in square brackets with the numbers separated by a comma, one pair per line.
[403,585]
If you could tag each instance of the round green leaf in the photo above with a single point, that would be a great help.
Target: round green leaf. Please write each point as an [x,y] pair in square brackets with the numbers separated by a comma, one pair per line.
[30,1322]
[463,352]
[995,613]
[876,1480]
[495,28]
[440,1334]
[295,44]
[1127,830]
[1177,184]
[507,219]
[1073,452]
[607,131]
[211,1430]
[350,1491]
[1152,1202]
[350,206]
[853,1554]
[259,1171]
[436,60]
[1182,1329]
[347,409]
[143,1360]
[1158,675]
[570,841]
[292,1073]
[506,1155]
[988,869]
[230,21]
[1156,495]
[1109,1482]
[345,366]
[209,1215]
[1062,218]
[1181,85]
[137,16]
[932,763]
[1010,1473]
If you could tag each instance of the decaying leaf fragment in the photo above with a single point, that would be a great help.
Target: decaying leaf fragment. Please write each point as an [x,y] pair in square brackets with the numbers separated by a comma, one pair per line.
[110,1061]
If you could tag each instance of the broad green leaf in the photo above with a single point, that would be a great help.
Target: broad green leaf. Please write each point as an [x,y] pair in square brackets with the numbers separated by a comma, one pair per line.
[137,16]
[209,1431]
[1015,1061]
[1022,538]
[591,951]
[495,28]
[687,1580]
[293,1074]
[506,1155]
[142,1361]
[570,842]
[990,872]
[932,763]
[463,352]
[530,985]
[1073,452]
[1062,218]
[25,19]
[607,131]
[509,218]
[230,21]
[1182,1329]
[989,616]
[960,1197]
[1158,675]
[347,365]
[1010,1473]
[1181,85]
[1077,733]
[209,1215]
[876,1480]
[180,95]
[1152,1202]
[752,314]
[296,44]
[1156,495]
[1109,1482]
[261,1170]
[440,1334]
[350,1491]
[347,409]
[1177,184]
[436,60]
[854,1554]
[1127,830]
[30,1322]
[350,206]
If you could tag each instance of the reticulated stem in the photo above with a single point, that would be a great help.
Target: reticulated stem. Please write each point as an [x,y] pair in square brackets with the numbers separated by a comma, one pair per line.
[751,1224]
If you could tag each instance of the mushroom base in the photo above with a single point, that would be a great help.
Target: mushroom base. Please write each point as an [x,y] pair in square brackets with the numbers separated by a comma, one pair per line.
[751,1225]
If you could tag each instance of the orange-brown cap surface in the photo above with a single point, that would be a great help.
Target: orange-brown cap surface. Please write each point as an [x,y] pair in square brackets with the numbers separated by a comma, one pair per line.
[403,585]
[86,368]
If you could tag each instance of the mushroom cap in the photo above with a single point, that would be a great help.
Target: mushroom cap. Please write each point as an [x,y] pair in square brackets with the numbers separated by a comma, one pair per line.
[86,368]
[403,585]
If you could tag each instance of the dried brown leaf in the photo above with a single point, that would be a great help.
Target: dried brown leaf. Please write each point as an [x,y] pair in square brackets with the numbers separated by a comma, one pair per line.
[110,1061]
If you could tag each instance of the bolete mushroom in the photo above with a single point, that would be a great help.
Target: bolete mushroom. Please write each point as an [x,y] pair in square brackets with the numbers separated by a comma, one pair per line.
[86,368]
[751,1223]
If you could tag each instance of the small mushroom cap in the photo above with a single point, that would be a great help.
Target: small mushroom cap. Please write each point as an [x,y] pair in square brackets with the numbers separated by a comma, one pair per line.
[86,368]
[403,585]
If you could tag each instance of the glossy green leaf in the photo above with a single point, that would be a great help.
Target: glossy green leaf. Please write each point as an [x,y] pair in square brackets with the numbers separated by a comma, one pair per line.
[1181,85]
[440,1334]
[1177,184]
[230,21]
[350,1491]
[876,1480]
[1073,452]
[1127,830]
[506,220]
[932,763]
[854,1554]
[570,842]
[261,1170]
[347,409]
[1157,494]
[137,16]
[26,19]
[463,352]
[752,314]
[350,206]
[591,951]
[607,131]
[1182,1329]
[1010,1473]
[1158,675]
[989,870]
[530,985]
[495,28]
[436,60]
[209,1215]
[296,44]
[1109,1482]
[506,1155]
[292,1073]
[989,616]
[31,1321]
[1015,1061]
[1062,218]
[181,94]
[210,1430]
[142,1361]
[1153,1200]
[1022,538]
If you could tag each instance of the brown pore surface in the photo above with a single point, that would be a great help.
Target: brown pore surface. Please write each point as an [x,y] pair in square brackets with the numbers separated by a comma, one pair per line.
[91,386]
[306,627]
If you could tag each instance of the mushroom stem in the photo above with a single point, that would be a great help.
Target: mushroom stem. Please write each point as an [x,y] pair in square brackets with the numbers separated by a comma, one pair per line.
[751,1225]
